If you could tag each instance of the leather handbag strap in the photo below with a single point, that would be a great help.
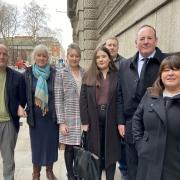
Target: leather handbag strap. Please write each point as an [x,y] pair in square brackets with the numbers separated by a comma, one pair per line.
[84,140]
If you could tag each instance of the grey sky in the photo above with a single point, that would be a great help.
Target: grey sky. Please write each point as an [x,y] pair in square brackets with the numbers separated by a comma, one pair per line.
[57,21]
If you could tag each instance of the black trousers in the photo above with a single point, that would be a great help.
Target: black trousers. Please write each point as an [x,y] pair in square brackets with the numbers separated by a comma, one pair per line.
[110,171]
[132,161]
[69,159]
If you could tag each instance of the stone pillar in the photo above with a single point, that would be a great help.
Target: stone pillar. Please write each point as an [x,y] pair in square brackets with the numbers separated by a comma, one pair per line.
[83,16]
[87,34]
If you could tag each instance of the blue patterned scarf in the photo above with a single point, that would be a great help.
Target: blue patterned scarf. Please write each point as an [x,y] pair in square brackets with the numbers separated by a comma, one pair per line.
[41,91]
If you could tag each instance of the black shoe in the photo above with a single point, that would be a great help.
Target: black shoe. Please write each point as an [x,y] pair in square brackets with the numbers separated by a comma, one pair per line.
[71,177]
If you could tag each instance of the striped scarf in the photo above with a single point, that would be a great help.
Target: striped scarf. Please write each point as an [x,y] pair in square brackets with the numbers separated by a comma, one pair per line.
[41,91]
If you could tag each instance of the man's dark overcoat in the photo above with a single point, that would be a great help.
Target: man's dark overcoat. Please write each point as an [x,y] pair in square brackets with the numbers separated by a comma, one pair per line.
[129,97]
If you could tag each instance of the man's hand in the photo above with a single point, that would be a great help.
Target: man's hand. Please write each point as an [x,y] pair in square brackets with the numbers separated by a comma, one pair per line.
[121,129]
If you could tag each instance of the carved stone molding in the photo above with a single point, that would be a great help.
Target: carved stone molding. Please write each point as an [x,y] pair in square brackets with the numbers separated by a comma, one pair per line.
[90,24]
[90,13]
[89,3]
[113,12]
[109,12]
[90,34]
[139,14]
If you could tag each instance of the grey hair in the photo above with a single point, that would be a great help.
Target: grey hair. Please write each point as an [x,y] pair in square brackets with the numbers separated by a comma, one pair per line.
[41,48]
[149,26]
[75,47]
[4,46]
[112,38]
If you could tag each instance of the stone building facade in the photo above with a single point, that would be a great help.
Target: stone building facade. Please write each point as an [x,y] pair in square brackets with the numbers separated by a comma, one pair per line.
[93,21]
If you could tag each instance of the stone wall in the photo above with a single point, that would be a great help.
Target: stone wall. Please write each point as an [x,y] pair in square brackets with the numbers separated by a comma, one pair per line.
[94,21]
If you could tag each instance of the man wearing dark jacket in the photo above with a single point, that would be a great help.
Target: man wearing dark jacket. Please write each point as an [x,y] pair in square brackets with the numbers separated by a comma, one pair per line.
[12,101]
[112,44]
[136,74]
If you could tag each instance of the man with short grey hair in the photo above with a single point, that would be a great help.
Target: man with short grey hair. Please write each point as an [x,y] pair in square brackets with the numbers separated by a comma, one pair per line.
[12,101]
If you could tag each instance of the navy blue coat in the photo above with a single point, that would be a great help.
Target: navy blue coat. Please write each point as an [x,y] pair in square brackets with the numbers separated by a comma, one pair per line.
[14,94]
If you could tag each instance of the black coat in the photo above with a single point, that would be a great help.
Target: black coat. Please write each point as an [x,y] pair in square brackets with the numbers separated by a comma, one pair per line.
[150,130]
[89,115]
[128,97]
[14,94]
[28,75]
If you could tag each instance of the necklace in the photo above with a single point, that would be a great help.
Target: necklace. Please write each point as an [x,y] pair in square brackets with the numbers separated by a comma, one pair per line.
[75,73]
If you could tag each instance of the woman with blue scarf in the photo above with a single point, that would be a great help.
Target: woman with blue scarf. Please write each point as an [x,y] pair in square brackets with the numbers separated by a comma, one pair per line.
[40,109]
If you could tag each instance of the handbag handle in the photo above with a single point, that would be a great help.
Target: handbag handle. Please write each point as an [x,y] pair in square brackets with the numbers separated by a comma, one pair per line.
[84,140]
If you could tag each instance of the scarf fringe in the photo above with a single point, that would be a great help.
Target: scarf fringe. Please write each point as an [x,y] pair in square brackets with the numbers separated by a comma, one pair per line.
[38,103]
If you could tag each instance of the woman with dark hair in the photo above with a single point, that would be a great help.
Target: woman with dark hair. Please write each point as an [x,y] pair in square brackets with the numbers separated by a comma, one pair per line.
[156,125]
[98,110]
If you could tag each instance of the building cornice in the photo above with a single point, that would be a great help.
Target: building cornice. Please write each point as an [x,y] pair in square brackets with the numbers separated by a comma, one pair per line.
[71,8]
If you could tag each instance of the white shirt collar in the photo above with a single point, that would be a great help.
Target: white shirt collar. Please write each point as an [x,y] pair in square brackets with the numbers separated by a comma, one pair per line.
[150,56]
[166,93]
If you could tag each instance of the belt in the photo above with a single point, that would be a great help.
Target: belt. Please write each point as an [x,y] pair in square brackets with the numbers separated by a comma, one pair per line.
[102,107]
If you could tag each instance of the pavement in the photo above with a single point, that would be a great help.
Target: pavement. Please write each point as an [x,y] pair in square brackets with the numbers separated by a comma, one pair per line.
[23,162]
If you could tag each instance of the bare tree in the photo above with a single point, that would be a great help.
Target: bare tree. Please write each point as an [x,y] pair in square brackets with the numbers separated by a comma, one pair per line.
[49,36]
[34,20]
[8,22]
[47,32]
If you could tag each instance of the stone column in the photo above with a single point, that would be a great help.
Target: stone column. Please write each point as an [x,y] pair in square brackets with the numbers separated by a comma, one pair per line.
[87,34]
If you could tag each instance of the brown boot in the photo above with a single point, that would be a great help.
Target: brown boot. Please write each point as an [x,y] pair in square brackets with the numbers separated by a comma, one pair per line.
[49,173]
[36,172]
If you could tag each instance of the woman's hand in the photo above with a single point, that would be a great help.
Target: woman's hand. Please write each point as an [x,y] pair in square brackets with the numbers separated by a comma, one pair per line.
[85,127]
[64,129]
[21,112]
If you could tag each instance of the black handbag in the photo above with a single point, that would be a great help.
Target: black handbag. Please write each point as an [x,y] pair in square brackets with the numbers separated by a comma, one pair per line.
[86,164]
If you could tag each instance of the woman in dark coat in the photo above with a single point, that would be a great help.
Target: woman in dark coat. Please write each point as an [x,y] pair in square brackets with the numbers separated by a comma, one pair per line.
[156,126]
[41,113]
[98,110]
